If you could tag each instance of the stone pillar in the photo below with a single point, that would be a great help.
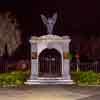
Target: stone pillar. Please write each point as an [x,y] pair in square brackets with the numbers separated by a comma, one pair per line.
[34,62]
[66,69]
[34,69]
[66,61]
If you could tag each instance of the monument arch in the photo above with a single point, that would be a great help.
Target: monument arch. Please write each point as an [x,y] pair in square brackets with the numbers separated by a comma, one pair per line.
[50,62]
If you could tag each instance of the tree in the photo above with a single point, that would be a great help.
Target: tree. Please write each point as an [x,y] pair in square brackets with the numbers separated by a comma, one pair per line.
[90,47]
[10,35]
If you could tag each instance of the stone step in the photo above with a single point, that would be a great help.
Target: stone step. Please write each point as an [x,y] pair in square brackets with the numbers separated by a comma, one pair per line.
[30,82]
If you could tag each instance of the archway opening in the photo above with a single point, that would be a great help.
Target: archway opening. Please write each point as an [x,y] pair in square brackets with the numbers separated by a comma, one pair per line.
[50,63]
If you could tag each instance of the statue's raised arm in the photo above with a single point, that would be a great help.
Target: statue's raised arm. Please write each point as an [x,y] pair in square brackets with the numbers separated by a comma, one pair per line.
[44,19]
[50,22]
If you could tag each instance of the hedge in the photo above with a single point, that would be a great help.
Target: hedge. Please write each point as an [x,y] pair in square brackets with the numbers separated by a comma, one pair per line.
[18,78]
[88,78]
[13,79]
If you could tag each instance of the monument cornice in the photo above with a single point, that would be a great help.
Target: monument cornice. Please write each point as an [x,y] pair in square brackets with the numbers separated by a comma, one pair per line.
[49,38]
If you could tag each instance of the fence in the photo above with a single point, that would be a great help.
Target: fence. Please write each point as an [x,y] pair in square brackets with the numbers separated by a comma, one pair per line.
[13,66]
[95,67]
[24,65]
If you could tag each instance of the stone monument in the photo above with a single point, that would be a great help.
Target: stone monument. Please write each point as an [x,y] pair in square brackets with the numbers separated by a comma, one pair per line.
[50,63]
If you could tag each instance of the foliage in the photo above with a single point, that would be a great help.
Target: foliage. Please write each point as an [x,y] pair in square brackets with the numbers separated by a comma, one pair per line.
[89,78]
[13,78]
[70,56]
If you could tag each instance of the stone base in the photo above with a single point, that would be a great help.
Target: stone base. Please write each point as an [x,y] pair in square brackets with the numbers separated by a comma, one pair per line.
[49,81]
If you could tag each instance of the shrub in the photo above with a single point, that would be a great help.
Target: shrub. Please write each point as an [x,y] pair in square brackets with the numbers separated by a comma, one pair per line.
[13,78]
[98,80]
[88,78]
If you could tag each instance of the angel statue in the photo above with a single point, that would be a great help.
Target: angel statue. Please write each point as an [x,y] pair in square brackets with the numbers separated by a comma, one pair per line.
[49,23]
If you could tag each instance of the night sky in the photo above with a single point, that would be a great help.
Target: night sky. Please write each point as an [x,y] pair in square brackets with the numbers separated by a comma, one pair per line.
[75,17]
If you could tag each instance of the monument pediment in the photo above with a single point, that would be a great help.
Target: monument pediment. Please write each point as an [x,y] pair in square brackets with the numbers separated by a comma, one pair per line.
[49,37]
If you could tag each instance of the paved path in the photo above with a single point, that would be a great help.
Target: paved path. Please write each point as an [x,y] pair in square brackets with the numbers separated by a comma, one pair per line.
[50,92]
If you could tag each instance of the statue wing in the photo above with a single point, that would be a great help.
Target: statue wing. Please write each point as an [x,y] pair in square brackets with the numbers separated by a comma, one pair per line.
[44,19]
[54,17]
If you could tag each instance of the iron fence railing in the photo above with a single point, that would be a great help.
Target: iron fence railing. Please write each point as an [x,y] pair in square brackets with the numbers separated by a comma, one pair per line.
[8,67]
[95,67]
[13,66]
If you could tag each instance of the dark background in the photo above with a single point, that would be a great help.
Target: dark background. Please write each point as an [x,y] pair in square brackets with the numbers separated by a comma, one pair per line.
[74,15]
[76,18]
